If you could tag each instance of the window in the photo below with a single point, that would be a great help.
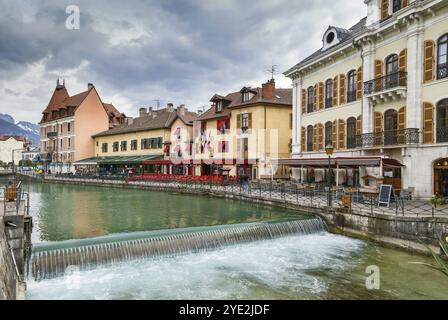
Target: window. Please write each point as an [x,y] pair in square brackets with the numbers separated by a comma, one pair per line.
[329,93]
[69,143]
[244,121]
[328,133]
[442,58]
[97,143]
[123,145]
[104,147]
[396,5]
[351,93]
[133,144]
[219,106]
[222,126]
[390,127]
[115,146]
[392,71]
[151,143]
[246,96]
[61,143]
[351,133]
[68,127]
[309,138]
[442,121]
[62,128]
[310,100]
[223,146]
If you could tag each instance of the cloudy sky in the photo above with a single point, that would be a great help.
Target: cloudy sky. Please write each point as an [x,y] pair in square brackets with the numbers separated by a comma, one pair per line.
[138,51]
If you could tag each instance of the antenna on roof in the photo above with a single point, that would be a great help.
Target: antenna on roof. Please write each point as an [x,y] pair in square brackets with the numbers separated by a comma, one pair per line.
[158,103]
[273,71]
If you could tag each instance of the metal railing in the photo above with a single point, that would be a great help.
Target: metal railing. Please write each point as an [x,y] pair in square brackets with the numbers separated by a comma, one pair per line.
[441,135]
[390,81]
[388,138]
[442,71]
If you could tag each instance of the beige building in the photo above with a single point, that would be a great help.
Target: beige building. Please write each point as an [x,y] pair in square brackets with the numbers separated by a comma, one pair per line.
[11,148]
[67,124]
[378,93]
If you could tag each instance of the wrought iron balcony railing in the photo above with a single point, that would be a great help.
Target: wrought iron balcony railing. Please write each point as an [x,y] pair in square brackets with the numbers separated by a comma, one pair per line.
[388,138]
[390,81]
[351,142]
[442,71]
[442,135]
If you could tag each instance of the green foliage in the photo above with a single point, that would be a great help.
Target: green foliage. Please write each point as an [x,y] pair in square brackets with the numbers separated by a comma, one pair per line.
[437,200]
[441,263]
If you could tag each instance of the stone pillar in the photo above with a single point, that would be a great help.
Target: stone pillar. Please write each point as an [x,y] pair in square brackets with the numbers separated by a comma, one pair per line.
[415,43]
[297,115]
[368,73]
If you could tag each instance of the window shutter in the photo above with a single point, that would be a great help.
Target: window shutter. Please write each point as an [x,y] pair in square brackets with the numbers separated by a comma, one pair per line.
[401,124]
[321,95]
[342,89]
[334,140]
[315,97]
[405,3]
[249,115]
[290,121]
[402,66]
[358,125]
[359,88]
[378,122]
[384,9]
[429,66]
[238,121]
[320,141]
[240,153]
[303,139]
[303,101]
[379,66]
[341,134]
[335,91]
[315,129]
[428,123]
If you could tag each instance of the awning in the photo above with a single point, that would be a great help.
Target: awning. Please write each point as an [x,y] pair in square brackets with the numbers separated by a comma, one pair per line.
[118,160]
[204,161]
[340,162]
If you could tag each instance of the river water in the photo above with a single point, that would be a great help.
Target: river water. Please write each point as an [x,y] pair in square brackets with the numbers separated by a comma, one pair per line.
[316,266]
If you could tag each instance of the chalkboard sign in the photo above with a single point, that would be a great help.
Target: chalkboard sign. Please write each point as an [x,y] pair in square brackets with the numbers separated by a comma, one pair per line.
[386,195]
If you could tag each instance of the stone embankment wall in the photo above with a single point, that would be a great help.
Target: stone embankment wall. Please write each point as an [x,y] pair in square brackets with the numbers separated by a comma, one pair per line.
[8,274]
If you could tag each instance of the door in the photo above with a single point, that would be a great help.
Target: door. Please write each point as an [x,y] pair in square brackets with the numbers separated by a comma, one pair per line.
[390,127]
[441,178]
[392,176]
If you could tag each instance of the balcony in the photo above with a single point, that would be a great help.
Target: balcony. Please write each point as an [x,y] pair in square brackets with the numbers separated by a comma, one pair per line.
[387,88]
[52,135]
[388,138]
[442,71]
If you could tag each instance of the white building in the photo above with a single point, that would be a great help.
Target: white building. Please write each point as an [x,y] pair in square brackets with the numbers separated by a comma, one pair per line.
[378,93]
[12,146]
[31,153]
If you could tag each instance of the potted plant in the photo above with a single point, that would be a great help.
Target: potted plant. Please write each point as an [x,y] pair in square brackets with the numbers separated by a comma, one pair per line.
[437,200]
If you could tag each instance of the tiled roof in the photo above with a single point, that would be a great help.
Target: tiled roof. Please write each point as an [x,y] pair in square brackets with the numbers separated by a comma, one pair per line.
[17,138]
[345,37]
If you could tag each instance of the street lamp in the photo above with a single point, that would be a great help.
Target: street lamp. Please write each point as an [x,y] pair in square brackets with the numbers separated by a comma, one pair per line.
[329,150]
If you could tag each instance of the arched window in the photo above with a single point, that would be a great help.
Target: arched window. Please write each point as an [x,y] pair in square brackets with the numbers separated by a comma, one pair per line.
[328,133]
[392,71]
[309,138]
[442,121]
[351,84]
[442,57]
[390,127]
[329,93]
[351,133]
[396,5]
[310,100]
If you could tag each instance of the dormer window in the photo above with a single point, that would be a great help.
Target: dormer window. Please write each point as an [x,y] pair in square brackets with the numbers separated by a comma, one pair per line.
[219,106]
[246,96]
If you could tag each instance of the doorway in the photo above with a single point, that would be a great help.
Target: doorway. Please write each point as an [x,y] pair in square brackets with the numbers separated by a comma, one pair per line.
[441,177]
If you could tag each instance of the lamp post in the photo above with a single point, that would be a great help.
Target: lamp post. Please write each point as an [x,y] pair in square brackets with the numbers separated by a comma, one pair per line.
[329,150]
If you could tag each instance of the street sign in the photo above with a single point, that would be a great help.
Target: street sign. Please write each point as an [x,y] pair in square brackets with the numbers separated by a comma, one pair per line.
[52,134]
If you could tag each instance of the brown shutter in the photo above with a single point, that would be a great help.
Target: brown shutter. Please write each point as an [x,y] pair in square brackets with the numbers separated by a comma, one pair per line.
[384,9]
[250,121]
[428,123]
[405,3]
[341,134]
[315,129]
[320,136]
[335,91]
[378,128]
[315,97]
[334,138]
[290,121]
[303,139]
[342,89]
[430,47]
[358,125]
[402,67]
[303,101]
[379,66]
[359,88]
[321,95]
[401,125]
[238,121]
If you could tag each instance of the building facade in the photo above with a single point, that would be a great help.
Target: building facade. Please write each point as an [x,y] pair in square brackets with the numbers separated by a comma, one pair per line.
[378,90]
[11,148]
[67,124]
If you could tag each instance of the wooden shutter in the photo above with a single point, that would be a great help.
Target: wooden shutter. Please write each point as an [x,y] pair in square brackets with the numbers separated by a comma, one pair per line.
[315,93]
[401,125]
[303,139]
[290,121]
[358,125]
[429,67]
[341,134]
[384,9]
[320,136]
[402,67]
[405,3]
[359,87]
[378,128]
[334,138]
[428,123]
[303,101]
[342,88]
[379,66]
[315,129]
[238,121]
[249,126]
[321,96]
[335,91]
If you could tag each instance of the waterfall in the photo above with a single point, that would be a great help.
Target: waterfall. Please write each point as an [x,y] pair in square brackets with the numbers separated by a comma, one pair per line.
[50,261]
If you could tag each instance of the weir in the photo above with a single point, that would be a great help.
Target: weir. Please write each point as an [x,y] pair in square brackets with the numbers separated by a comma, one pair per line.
[52,260]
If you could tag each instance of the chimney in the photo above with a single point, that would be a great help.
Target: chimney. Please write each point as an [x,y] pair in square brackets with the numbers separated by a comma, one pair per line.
[268,90]
[170,107]
[142,112]
[150,111]
[89,86]
[181,109]
[199,111]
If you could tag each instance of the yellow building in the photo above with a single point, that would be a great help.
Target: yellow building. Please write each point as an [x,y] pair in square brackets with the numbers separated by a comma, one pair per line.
[242,131]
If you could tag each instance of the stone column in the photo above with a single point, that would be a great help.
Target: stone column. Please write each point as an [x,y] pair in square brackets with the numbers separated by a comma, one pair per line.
[297,115]
[368,73]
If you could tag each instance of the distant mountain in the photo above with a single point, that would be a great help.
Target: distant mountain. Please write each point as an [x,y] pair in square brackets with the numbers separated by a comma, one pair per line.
[7,118]
[22,128]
